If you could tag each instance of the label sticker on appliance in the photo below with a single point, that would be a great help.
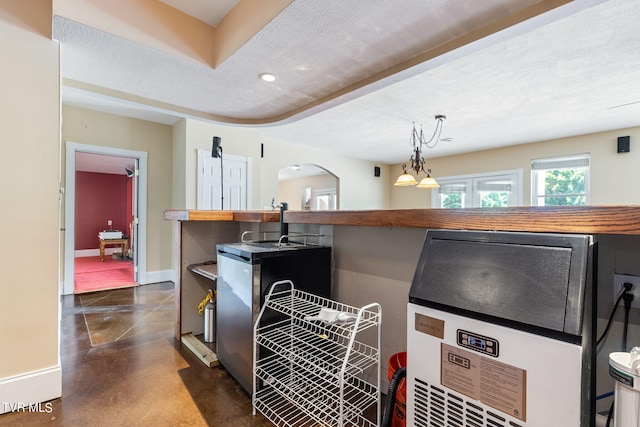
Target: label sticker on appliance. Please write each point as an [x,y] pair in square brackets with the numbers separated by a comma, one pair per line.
[621,377]
[429,325]
[496,384]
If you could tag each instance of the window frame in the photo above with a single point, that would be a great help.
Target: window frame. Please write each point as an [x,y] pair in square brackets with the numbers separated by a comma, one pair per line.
[330,192]
[572,161]
[471,197]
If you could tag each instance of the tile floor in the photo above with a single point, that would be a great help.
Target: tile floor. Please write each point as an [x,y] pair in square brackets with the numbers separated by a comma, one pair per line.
[121,366]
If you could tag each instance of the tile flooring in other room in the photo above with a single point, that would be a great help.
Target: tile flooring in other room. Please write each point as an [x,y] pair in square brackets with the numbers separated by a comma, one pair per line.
[121,366]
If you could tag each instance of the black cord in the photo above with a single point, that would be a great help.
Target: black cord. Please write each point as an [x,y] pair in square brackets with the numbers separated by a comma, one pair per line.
[394,384]
[613,312]
[221,182]
[610,415]
[628,299]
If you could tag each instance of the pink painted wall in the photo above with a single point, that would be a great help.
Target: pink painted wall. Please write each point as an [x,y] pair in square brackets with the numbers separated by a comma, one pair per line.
[99,197]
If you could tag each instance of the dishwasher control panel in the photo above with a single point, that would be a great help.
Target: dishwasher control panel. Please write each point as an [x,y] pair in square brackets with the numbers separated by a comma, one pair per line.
[479,343]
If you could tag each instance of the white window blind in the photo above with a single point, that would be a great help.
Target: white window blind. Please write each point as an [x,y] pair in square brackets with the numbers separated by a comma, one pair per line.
[452,188]
[571,162]
[494,186]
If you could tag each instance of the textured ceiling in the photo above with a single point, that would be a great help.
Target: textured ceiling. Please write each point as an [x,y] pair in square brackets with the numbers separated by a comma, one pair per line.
[352,76]
[209,11]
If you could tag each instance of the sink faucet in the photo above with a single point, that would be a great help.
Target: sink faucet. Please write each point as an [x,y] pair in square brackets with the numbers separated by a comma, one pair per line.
[280,205]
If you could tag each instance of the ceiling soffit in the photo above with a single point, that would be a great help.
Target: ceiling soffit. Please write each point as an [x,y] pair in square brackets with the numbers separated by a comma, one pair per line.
[157,25]
[324,53]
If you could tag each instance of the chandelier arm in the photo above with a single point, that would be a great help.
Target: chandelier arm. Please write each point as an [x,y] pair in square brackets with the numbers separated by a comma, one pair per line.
[435,138]
[414,139]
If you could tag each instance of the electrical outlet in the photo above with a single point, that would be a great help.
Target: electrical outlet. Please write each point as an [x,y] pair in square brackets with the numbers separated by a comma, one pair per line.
[619,280]
[109,223]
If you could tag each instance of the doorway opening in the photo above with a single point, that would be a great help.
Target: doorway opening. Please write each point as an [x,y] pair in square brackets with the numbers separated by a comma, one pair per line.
[309,187]
[89,256]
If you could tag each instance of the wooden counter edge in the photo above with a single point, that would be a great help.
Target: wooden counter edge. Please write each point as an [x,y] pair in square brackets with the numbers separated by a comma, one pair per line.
[197,215]
[623,219]
[217,215]
[614,219]
[256,216]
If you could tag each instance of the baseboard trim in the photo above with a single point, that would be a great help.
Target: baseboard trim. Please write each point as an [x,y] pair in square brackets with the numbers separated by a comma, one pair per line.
[26,391]
[83,253]
[157,277]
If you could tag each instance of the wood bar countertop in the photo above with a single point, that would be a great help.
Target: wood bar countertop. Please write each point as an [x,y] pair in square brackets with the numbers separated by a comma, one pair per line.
[622,219]
[205,215]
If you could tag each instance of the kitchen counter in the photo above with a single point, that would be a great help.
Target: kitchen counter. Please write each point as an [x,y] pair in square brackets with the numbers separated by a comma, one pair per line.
[623,219]
[375,252]
[206,215]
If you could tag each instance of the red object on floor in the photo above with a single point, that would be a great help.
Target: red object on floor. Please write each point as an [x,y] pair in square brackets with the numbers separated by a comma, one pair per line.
[399,360]
[91,274]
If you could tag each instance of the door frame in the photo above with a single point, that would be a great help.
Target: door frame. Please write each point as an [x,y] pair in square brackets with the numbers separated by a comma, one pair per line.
[70,196]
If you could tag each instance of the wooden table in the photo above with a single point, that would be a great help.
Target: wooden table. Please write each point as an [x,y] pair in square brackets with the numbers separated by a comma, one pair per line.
[123,242]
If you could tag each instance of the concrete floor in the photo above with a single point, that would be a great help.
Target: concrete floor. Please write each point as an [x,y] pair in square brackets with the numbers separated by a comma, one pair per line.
[121,366]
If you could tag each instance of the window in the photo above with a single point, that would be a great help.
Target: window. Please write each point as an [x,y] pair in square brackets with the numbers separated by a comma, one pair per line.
[324,199]
[560,181]
[495,189]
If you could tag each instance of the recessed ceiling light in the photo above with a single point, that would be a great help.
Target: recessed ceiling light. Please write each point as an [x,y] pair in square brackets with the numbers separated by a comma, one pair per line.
[267,77]
[295,167]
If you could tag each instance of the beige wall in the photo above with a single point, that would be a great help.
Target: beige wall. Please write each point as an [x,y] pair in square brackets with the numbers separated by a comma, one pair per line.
[29,111]
[93,128]
[235,140]
[179,153]
[359,189]
[613,175]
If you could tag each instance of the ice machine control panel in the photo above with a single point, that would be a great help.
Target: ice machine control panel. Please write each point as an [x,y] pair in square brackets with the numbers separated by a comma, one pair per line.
[479,343]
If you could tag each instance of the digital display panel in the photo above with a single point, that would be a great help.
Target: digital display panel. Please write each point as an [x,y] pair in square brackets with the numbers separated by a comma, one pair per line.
[477,342]
[480,343]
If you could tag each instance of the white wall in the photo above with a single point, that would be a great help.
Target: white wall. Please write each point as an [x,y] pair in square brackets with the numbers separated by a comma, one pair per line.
[614,176]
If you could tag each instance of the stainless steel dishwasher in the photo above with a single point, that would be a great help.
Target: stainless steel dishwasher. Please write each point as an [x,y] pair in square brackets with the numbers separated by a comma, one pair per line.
[245,273]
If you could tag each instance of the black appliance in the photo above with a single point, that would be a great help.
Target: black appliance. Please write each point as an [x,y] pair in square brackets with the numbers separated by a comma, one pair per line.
[245,273]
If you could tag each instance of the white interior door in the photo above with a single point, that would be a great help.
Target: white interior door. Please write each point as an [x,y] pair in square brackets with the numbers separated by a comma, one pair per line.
[233,182]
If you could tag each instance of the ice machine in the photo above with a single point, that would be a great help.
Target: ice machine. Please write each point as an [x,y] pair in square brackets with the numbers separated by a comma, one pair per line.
[500,331]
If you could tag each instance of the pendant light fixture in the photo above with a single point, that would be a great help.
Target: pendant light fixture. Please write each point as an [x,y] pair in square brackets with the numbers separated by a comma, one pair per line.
[417,160]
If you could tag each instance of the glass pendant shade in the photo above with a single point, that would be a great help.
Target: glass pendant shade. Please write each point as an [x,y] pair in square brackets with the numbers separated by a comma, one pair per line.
[405,180]
[428,182]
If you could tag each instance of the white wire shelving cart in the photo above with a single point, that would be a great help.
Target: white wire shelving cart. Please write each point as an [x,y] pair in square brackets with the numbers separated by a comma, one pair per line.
[310,365]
